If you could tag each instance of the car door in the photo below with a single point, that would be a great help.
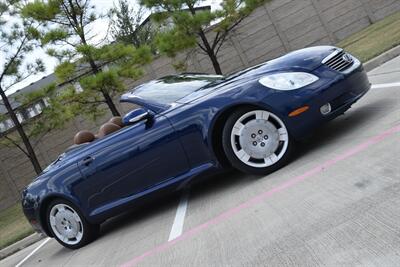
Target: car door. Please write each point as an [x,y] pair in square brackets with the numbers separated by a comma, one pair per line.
[131,160]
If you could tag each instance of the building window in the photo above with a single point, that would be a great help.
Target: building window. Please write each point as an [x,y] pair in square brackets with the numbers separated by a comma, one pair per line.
[46,101]
[35,110]
[9,124]
[31,112]
[6,125]
[38,108]
[2,127]
[20,117]
[78,87]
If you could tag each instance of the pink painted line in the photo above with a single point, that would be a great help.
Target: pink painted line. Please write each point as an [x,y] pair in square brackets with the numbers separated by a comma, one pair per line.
[259,198]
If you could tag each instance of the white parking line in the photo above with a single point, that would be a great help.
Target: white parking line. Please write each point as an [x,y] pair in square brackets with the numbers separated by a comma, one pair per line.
[385,85]
[177,226]
[33,252]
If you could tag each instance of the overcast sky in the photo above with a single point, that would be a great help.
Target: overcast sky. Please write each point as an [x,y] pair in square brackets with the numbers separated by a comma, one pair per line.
[99,28]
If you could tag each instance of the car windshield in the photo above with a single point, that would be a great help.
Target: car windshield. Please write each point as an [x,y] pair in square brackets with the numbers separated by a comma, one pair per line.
[172,88]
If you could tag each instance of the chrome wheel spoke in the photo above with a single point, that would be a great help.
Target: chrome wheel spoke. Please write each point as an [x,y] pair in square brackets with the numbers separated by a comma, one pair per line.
[272,158]
[52,221]
[237,128]
[243,155]
[283,135]
[79,236]
[262,115]
[76,217]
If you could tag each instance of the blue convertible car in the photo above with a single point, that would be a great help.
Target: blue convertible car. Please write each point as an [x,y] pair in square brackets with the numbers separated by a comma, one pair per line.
[190,125]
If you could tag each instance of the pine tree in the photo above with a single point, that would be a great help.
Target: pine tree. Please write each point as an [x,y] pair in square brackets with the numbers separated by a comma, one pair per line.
[18,38]
[127,25]
[69,24]
[189,24]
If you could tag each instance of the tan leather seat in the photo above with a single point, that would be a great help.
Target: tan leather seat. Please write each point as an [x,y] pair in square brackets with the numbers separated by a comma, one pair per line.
[117,120]
[83,137]
[107,128]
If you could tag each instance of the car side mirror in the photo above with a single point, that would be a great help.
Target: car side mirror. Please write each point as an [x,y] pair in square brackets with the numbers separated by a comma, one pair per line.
[136,115]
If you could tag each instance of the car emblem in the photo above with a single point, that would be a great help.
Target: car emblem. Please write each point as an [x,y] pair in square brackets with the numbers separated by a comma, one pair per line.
[347,58]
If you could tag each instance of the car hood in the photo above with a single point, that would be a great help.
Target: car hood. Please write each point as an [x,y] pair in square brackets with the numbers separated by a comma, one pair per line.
[306,59]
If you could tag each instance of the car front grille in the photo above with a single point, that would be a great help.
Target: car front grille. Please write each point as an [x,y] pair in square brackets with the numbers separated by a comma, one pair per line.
[339,60]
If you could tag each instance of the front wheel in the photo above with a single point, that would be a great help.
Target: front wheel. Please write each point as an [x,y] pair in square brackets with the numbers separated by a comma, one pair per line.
[68,225]
[256,141]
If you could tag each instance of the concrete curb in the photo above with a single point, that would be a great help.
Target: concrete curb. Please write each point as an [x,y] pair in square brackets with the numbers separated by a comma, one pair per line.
[381,59]
[26,242]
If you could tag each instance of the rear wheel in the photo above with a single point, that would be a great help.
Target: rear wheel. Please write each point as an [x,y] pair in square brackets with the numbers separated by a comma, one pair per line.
[256,141]
[68,225]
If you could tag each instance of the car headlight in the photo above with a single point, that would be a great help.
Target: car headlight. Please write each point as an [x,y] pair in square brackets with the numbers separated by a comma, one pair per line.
[288,80]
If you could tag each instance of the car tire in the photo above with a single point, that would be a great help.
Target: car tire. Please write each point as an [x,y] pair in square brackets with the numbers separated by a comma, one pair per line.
[68,225]
[256,141]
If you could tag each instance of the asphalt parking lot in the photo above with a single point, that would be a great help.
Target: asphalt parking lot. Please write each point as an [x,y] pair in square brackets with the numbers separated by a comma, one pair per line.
[336,204]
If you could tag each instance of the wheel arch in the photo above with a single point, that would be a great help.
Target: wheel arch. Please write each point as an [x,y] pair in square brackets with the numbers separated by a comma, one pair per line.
[44,206]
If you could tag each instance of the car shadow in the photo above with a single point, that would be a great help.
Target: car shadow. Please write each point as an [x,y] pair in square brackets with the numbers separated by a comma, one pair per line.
[327,133]
[141,213]
[345,124]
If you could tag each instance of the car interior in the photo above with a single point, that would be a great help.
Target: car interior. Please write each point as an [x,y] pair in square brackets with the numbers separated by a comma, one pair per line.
[113,125]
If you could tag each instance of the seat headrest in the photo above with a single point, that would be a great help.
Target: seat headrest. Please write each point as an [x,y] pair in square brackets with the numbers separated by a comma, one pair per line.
[117,120]
[83,137]
[107,128]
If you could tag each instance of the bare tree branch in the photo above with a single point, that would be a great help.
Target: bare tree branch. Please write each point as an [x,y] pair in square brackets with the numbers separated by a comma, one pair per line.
[201,47]
[18,81]
[17,145]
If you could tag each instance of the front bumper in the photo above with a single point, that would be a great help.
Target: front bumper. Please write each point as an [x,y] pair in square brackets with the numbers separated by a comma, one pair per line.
[341,90]
[34,220]
[30,207]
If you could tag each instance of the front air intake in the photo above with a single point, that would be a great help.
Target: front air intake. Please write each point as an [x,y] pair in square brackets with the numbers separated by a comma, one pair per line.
[339,60]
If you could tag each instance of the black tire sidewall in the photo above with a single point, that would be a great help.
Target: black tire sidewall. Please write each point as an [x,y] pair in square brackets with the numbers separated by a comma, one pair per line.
[237,163]
[90,231]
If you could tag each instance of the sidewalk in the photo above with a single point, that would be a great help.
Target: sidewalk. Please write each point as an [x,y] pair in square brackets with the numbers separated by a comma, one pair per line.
[389,71]
[381,59]
[23,243]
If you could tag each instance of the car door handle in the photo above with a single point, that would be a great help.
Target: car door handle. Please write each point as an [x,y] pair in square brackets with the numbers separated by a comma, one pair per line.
[87,161]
